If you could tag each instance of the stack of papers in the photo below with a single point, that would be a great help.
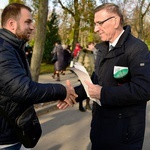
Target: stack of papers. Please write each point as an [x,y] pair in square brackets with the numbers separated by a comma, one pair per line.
[83,75]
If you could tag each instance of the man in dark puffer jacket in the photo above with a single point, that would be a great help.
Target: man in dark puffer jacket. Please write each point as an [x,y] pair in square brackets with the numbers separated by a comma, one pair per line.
[17,90]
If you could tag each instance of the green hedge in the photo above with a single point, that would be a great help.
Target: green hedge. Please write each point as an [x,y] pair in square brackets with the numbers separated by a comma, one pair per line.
[46,68]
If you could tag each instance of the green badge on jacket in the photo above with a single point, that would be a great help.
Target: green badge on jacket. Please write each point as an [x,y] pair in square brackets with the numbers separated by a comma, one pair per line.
[120,72]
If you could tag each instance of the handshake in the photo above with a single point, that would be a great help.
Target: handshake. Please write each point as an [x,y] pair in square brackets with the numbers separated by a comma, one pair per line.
[93,90]
[70,99]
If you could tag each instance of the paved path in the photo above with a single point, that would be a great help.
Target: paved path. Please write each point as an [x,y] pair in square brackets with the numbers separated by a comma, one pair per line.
[74,80]
[65,130]
[45,78]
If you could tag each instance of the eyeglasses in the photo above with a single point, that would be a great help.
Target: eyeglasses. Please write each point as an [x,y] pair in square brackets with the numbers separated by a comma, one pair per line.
[100,23]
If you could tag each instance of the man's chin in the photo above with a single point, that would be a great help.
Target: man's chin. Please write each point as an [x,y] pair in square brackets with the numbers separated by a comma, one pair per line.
[27,38]
[103,40]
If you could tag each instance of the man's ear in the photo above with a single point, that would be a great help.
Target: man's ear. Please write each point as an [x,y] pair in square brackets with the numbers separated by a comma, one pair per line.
[117,22]
[11,25]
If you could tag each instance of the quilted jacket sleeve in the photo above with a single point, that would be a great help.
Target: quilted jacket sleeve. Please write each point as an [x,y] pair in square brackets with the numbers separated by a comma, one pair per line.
[17,86]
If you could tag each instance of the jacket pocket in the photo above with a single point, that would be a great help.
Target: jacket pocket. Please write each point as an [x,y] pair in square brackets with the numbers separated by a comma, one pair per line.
[133,130]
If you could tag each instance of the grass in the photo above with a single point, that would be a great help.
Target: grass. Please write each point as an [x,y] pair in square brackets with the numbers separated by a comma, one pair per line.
[46,68]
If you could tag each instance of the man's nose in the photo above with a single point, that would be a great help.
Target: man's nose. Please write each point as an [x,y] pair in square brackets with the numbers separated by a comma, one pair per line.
[96,29]
[32,27]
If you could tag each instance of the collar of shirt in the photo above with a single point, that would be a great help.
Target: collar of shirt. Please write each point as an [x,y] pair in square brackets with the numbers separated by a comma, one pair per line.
[116,40]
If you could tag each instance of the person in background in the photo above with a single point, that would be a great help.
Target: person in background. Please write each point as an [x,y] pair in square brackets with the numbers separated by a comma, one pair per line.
[28,51]
[67,58]
[17,90]
[76,51]
[95,50]
[87,59]
[121,84]
[59,64]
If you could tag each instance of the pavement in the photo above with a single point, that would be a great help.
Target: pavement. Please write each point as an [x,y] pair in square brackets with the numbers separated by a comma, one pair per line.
[51,106]
[47,78]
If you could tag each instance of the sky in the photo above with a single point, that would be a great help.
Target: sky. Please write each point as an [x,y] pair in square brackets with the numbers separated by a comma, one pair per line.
[3,3]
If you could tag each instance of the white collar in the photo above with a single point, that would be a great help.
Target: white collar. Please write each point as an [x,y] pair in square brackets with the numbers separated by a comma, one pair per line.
[116,40]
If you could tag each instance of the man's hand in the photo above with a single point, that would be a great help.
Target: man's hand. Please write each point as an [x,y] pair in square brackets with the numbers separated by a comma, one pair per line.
[70,98]
[62,105]
[71,95]
[94,90]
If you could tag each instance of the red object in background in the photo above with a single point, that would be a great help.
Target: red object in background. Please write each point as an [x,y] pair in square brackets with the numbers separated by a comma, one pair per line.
[76,50]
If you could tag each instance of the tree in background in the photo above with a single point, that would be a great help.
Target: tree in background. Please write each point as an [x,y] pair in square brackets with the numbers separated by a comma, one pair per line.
[87,23]
[79,29]
[74,8]
[17,1]
[34,5]
[66,28]
[136,13]
[40,36]
[82,14]
[141,10]
[51,36]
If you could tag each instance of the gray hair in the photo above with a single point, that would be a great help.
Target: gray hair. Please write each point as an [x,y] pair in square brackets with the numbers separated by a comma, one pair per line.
[111,8]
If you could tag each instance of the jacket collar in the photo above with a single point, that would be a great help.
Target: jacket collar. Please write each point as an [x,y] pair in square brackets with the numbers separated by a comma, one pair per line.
[11,38]
[119,48]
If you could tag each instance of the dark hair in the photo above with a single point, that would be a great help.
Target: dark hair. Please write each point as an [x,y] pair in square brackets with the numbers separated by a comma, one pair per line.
[58,42]
[89,43]
[12,11]
[111,8]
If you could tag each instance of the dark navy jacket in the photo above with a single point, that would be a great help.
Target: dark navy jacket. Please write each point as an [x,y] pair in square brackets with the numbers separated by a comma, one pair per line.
[119,123]
[17,90]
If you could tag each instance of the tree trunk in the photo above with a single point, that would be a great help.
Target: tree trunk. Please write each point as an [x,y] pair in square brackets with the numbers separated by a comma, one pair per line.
[39,39]
[76,31]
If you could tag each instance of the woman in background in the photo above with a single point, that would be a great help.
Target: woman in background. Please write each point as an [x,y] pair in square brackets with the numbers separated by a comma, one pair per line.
[58,65]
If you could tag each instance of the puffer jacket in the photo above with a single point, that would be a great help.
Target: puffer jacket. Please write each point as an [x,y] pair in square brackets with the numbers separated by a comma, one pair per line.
[17,90]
